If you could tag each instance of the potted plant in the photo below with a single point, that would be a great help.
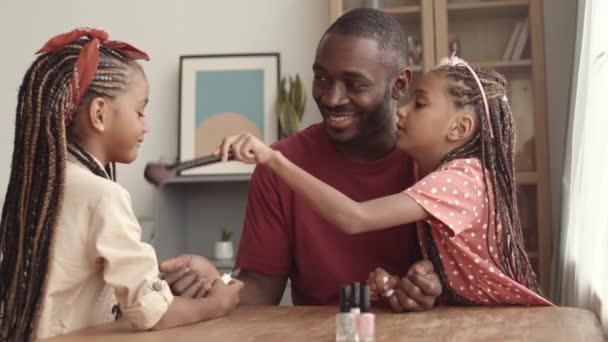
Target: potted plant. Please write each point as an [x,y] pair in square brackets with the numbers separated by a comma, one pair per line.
[290,105]
[223,248]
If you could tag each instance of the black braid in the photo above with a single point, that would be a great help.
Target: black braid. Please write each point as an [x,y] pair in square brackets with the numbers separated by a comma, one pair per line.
[34,196]
[86,159]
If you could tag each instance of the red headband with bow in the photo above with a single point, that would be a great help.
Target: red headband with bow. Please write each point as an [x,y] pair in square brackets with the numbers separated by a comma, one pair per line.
[88,59]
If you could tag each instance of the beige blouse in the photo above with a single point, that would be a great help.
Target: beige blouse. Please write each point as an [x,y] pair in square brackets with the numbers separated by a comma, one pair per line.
[98,259]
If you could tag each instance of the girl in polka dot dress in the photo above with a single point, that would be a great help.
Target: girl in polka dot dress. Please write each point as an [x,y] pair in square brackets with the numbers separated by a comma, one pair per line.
[458,127]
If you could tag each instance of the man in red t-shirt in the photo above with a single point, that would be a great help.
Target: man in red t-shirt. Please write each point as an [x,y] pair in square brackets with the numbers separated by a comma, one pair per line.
[359,76]
[283,236]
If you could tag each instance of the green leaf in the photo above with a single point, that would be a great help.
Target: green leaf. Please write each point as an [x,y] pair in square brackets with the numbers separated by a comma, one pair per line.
[282,95]
[290,104]
[280,107]
[291,94]
[288,120]
[300,97]
[296,92]
[226,234]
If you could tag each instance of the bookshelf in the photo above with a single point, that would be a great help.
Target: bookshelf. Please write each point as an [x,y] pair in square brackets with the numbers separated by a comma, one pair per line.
[489,34]
[488,9]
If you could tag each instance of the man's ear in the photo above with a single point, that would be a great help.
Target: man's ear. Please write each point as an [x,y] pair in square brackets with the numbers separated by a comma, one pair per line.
[97,114]
[462,127]
[401,84]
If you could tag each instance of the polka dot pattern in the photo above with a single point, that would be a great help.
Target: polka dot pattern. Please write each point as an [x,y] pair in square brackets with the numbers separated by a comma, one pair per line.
[455,197]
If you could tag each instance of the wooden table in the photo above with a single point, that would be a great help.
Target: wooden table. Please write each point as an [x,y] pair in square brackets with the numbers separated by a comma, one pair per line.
[319,324]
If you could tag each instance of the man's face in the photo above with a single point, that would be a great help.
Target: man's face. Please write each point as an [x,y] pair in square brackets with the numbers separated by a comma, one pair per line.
[352,87]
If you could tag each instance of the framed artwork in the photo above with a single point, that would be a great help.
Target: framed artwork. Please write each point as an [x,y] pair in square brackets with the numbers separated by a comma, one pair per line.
[224,95]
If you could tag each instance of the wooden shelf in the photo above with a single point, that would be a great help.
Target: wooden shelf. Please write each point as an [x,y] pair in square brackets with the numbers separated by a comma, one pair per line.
[504,64]
[488,9]
[403,10]
[526,178]
[223,263]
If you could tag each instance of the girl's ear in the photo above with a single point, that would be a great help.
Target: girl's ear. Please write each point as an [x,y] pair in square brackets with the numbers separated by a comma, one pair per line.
[97,112]
[401,84]
[462,126]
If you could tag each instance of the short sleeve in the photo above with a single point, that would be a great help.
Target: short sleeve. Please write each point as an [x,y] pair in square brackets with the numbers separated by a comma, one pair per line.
[265,241]
[453,195]
[129,265]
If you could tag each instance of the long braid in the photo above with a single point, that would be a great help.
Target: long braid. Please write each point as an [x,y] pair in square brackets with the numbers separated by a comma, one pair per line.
[34,196]
[25,183]
[497,156]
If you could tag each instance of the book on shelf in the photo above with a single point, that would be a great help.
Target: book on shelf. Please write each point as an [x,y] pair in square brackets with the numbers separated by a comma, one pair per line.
[522,39]
[512,40]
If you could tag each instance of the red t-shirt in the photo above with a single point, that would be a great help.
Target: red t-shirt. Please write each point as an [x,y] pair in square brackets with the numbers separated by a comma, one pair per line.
[283,236]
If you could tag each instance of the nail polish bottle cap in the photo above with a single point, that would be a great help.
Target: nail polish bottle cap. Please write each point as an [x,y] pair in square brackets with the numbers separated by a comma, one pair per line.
[365,300]
[355,295]
[345,298]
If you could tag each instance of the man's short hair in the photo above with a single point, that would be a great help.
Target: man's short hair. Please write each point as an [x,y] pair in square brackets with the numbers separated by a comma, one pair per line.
[378,26]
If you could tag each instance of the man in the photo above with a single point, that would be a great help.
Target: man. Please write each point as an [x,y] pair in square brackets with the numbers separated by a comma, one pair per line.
[359,75]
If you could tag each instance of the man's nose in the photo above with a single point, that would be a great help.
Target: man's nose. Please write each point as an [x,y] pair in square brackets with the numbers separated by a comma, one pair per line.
[335,96]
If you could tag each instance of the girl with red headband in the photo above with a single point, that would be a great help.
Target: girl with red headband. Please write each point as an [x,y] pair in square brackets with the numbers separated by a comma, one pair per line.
[70,249]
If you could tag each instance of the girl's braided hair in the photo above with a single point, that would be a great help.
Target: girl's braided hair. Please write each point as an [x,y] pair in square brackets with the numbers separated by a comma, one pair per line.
[35,191]
[497,156]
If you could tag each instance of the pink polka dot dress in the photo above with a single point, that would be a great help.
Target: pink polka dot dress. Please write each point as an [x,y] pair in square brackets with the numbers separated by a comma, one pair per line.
[455,198]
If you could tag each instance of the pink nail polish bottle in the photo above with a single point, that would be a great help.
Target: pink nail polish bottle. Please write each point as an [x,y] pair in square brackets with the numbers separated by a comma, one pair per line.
[366,321]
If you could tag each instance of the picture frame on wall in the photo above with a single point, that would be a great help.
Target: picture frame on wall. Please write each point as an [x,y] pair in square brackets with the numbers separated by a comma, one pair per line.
[221,95]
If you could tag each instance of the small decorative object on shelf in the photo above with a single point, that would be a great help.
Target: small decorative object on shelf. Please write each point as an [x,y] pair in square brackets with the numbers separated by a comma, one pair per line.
[223,248]
[414,51]
[291,105]
[454,44]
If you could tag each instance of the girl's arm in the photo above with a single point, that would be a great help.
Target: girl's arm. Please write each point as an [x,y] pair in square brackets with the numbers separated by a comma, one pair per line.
[349,216]
[130,267]
[219,302]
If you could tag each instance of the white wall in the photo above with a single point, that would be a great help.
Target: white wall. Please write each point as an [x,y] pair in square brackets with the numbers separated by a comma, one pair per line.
[169,29]
[166,30]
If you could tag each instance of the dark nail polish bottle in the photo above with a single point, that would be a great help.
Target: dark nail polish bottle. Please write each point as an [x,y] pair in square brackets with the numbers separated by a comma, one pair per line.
[346,321]
[355,293]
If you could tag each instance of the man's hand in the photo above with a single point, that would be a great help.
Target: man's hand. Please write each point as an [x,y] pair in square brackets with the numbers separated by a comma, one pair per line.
[189,275]
[226,295]
[418,290]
